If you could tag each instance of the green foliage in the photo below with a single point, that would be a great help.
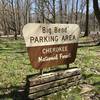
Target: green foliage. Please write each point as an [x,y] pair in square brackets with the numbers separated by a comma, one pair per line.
[15,65]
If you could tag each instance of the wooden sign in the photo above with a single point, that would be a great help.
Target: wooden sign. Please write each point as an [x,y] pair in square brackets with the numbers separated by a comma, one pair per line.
[51,44]
[38,86]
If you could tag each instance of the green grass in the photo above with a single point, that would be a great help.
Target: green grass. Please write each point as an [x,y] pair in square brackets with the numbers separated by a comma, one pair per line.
[14,66]
[87,57]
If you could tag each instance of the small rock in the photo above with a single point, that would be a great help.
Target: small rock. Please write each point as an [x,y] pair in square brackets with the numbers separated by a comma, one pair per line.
[86,88]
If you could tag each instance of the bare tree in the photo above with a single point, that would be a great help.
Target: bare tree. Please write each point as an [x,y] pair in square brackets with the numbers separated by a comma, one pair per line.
[14,14]
[3,16]
[72,11]
[81,10]
[65,10]
[77,1]
[27,11]
[54,12]
[87,18]
[18,17]
[96,10]
[60,11]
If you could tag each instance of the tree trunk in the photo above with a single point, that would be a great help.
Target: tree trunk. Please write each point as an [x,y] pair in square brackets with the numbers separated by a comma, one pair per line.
[14,19]
[76,11]
[72,11]
[97,12]
[54,12]
[42,10]
[94,26]
[65,11]
[15,36]
[87,18]
[82,6]
[60,11]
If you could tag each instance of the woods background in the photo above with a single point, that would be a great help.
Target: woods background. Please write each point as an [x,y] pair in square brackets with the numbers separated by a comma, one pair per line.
[14,14]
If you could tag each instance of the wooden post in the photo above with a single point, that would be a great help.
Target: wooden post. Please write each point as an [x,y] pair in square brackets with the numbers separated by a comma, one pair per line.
[41,71]
[67,66]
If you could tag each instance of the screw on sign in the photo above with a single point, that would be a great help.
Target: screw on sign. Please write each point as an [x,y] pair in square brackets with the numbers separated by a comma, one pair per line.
[50,45]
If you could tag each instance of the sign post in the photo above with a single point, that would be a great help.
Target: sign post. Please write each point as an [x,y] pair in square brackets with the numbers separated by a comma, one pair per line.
[51,45]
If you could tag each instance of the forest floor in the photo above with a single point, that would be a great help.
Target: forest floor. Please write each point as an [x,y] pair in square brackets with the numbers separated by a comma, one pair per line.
[15,66]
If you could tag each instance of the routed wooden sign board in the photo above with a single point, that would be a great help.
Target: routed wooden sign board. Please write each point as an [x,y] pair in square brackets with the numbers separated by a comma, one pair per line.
[51,44]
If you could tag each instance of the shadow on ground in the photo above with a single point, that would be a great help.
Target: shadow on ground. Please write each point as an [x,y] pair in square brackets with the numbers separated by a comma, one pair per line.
[13,93]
